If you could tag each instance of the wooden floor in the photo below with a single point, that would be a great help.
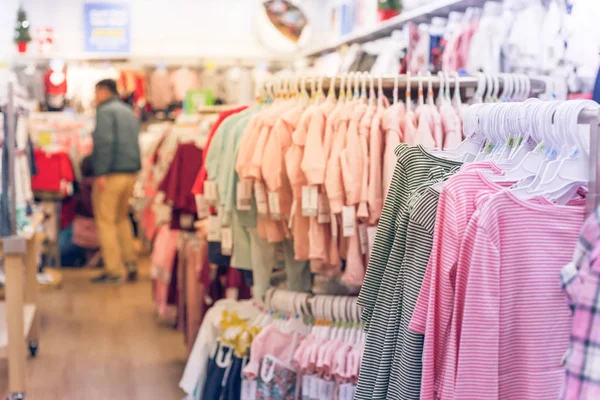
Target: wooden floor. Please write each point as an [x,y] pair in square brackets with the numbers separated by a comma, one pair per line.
[102,343]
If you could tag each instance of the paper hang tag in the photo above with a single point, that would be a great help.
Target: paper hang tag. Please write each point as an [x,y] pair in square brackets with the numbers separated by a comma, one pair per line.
[326,389]
[346,391]
[226,241]
[244,195]
[334,226]
[364,239]
[211,192]
[310,200]
[274,206]
[248,391]
[306,386]
[371,231]
[186,221]
[323,210]
[201,206]
[314,387]
[261,199]
[348,221]
[214,229]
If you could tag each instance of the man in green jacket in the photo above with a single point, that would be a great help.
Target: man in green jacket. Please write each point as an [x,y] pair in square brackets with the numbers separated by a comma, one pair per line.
[116,161]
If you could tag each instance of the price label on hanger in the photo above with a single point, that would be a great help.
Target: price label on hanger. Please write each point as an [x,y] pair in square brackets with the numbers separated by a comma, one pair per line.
[348,221]
[310,201]
[201,206]
[314,387]
[274,206]
[346,391]
[324,212]
[248,389]
[211,192]
[261,199]
[371,231]
[326,389]
[364,240]
[306,386]
[214,228]
[186,221]
[226,241]
[292,215]
[244,195]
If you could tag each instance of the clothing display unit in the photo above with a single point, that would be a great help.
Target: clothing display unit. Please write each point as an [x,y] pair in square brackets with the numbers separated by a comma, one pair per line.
[18,313]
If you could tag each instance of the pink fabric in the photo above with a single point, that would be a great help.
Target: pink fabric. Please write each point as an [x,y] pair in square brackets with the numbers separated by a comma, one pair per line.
[163,262]
[352,159]
[452,126]
[376,150]
[429,126]
[333,177]
[433,311]
[274,342]
[516,325]
[391,121]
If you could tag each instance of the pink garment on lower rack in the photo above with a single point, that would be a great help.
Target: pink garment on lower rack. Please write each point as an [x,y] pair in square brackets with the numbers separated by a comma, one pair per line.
[163,259]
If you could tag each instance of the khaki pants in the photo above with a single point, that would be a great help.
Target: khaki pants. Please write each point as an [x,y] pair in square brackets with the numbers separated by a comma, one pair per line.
[111,211]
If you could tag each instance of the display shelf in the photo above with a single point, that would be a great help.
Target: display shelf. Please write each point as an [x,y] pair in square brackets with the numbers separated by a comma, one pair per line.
[384,29]
[28,317]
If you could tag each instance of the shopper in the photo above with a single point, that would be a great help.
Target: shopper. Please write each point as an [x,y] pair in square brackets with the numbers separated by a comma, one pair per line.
[116,160]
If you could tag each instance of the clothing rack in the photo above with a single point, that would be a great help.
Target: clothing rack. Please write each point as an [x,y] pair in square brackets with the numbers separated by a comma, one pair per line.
[469,85]
[591,117]
[18,313]
[319,307]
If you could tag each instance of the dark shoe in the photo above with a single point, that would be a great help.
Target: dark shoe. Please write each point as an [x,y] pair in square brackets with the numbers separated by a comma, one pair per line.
[107,279]
[132,273]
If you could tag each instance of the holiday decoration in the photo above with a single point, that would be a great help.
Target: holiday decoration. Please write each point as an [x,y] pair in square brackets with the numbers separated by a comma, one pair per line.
[387,9]
[22,36]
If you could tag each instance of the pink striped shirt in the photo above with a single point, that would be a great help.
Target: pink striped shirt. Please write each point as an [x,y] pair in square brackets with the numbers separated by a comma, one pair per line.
[433,311]
[516,324]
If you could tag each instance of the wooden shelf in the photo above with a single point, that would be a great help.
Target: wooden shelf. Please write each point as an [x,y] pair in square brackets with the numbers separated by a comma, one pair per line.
[385,29]
[28,317]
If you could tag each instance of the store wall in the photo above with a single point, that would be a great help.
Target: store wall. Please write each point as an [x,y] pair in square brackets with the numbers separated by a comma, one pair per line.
[160,28]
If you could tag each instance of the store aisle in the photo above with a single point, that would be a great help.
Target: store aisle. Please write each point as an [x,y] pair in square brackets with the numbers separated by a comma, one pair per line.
[100,343]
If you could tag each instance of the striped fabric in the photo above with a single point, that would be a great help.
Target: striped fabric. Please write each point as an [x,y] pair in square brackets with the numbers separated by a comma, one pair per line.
[413,168]
[433,312]
[516,323]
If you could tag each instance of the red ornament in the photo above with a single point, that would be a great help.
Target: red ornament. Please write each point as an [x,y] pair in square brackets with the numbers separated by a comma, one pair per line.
[22,47]
[384,15]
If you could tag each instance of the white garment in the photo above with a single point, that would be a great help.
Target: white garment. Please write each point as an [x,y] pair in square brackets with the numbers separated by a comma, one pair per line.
[486,45]
[583,41]
[524,45]
[195,369]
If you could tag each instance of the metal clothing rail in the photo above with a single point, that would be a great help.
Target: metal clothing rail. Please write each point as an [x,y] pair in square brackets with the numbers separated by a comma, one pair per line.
[592,117]
[467,83]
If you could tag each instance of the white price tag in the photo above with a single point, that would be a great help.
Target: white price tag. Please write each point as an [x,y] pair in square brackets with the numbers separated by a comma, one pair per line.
[274,206]
[248,389]
[346,391]
[214,229]
[186,221]
[326,389]
[310,200]
[243,195]
[306,386]
[364,240]
[324,212]
[314,387]
[334,226]
[226,241]
[348,221]
[201,206]
[292,215]
[261,199]
[371,231]
[211,193]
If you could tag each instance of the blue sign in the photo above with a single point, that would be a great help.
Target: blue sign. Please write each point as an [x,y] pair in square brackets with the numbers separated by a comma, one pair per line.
[107,28]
